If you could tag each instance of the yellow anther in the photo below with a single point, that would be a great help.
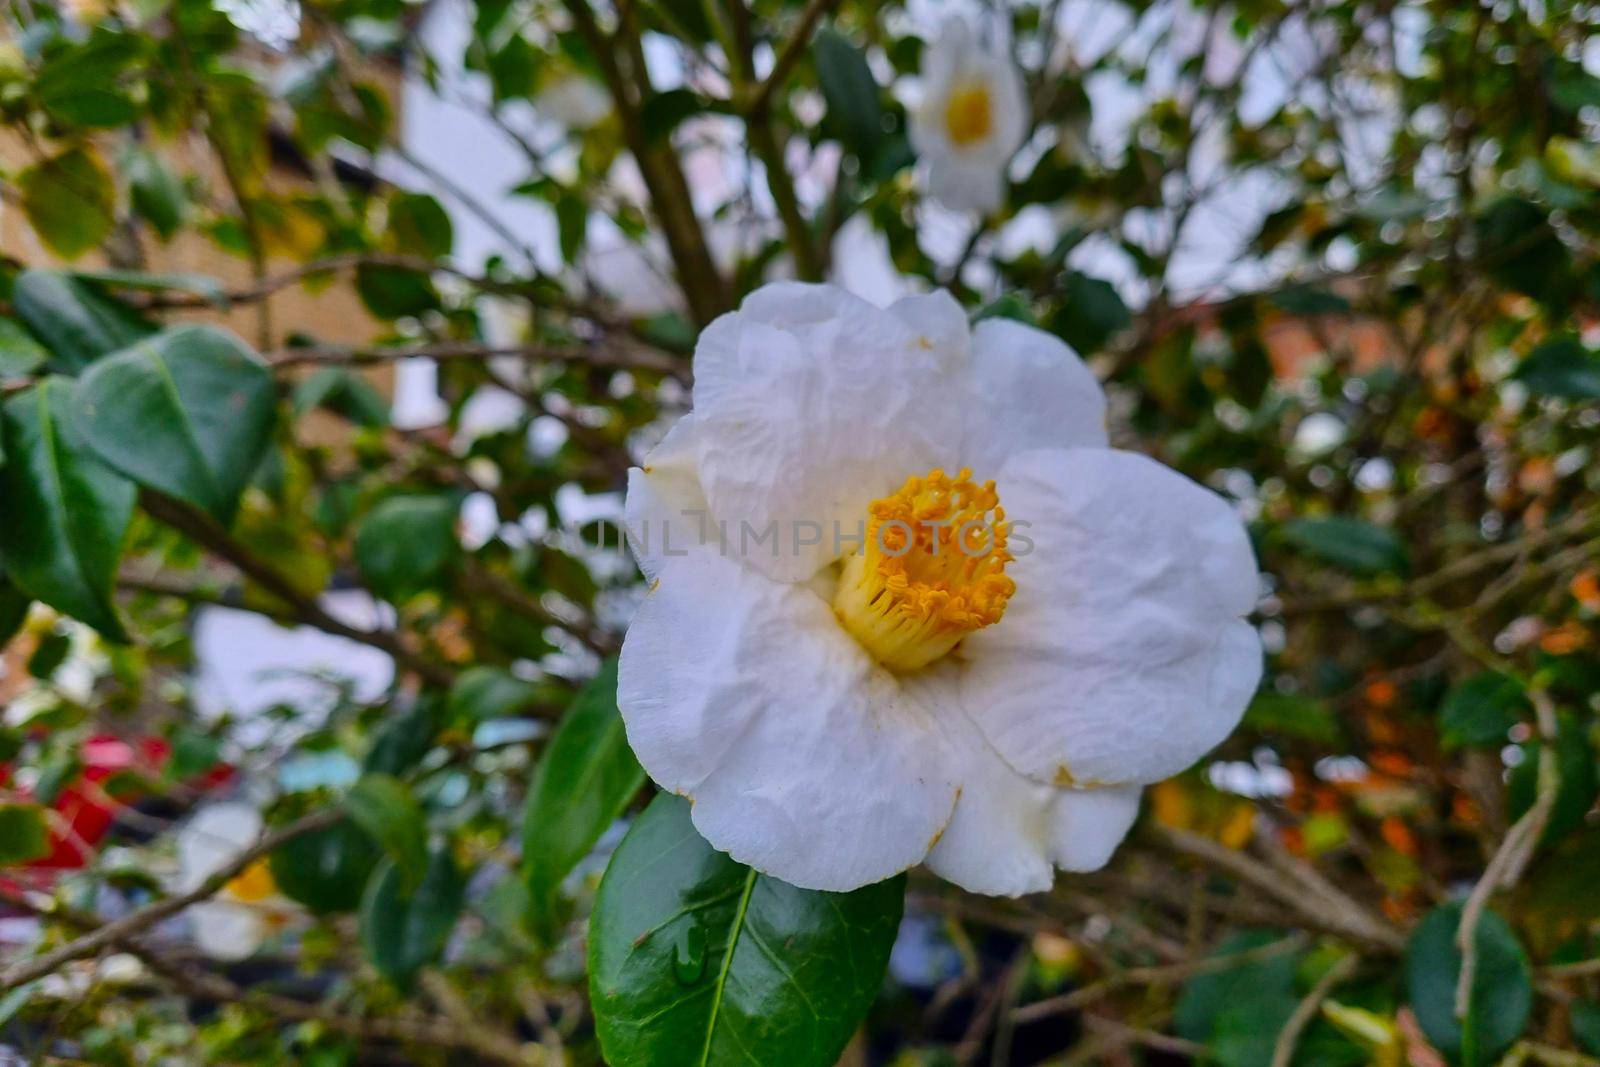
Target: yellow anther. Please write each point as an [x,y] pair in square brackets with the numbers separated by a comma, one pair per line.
[931,570]
[968,114]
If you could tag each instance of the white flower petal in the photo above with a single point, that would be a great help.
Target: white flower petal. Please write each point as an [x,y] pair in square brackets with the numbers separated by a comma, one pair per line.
[938,318]
[997,842]
[1087,825]
[1122,657]
[665,509]
[810,403]
[1030,391]
[213,838]
[800,755]
[968,181]
[227,931]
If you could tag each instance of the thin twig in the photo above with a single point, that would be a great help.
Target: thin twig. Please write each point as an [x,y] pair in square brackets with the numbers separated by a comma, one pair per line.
[1306,1010]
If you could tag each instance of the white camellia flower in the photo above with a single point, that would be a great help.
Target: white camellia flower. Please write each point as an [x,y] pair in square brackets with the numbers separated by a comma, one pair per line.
[971,120]
[853,658]
[233,923]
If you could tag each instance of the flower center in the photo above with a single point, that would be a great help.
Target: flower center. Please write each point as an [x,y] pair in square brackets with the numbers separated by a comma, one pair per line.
[968,114]
[251,885]
[930,570]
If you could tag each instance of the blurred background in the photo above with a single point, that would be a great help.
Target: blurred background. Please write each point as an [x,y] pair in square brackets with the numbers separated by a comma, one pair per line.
[1337,261]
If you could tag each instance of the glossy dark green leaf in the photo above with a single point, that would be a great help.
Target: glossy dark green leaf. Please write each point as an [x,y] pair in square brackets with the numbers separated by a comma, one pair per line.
[1502,986]
[24,834]
[188,412]
[512,68]
[20,354]
[1091,313]
[201,285]
[1308,300]
[418,226]
[14,604]
[402,740]
[697,960]
[393,292]
[70,201]
[1288,715]
[156,192]
[77,322]
[1013,306]
[406,542]
[1578,781]
[584,780]
[1586,1025]
[402,932]
[665,112]
[1561,368]
[78,509]
[1480,710]
[328,869]
[1352,545]
[383,807]
[1238,1010]
[855,108]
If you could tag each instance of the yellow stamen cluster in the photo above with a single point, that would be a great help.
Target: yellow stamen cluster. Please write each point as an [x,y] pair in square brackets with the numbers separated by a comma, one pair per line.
[931,570]
[251,885]
[968,114]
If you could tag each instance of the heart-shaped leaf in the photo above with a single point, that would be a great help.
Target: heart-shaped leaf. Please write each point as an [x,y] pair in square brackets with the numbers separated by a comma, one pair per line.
[188,412]
[77,509]
[695,959]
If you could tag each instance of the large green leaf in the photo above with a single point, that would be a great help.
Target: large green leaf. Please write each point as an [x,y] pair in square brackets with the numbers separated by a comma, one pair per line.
[1502,986]
[20,354]
[1237,1011]
[326,870]
[584,780]
[188,412]
[74,318]
[70,201]
[403,931]
[697,960]
[1353,545]
[76,508]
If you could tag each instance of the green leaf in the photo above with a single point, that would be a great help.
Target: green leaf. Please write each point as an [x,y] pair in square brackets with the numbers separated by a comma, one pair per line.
[1586,1025]
[77,509]
[402,740]
[156,193]
[695,959]
[1578,785]
[1561,368]
[24,834]
[14,604]
[1091,312]
[339,390]
[855,107]
[1237,1011]
[584,780]
[418,226]
[1481,710]
[394,292]
[665,112]
[1308,300]
[20,354]
[572,224]
[1353,545]
[402,932]
[70,201]
[1013,306]
[391,816]
[1502,986]
[1288,715]
[76,321]
[201,285]
[188,412]
[406,542]
[481,693]
[325,870]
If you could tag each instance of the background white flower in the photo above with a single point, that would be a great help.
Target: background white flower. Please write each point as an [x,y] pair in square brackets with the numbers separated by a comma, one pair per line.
[234,923]
[746,680]
[973,116]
